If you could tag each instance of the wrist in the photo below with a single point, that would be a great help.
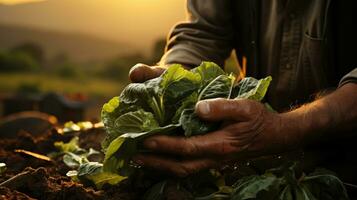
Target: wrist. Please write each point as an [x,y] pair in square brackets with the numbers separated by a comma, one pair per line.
[291,129]
[307,123]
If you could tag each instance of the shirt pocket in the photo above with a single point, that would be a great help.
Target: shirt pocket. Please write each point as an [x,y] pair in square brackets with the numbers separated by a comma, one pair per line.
[311,74]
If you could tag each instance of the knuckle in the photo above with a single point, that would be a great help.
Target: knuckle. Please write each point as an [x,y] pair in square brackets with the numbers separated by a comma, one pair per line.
[190,148]
[181,171]
[225,148]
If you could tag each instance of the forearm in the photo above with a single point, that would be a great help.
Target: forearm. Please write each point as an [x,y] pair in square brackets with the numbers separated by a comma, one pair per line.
[207,35]
[327,117]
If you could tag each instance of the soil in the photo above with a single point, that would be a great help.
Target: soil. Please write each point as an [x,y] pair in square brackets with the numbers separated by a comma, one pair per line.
[27,177]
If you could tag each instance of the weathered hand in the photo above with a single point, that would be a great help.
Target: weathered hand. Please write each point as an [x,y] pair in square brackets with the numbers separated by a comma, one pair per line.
[249,130]
[141,72]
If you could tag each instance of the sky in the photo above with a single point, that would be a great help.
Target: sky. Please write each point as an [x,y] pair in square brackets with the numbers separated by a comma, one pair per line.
[13,2]
[137,22]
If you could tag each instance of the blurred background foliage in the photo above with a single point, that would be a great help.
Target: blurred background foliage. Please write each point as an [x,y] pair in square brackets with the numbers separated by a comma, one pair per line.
[60,50]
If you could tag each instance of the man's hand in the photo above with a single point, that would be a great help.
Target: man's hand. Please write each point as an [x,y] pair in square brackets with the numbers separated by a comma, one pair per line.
[141,72]
[249,130]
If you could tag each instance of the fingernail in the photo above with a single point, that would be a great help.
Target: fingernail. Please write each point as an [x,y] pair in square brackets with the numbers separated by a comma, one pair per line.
[203,107]
[151,144]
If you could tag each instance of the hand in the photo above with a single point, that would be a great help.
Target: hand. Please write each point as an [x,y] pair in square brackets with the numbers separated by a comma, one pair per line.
[249,130]
[141,72]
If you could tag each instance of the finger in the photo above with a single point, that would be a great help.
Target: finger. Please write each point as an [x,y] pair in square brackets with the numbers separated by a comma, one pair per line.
[179,168]
[227,109]
[216,143]
[141,72]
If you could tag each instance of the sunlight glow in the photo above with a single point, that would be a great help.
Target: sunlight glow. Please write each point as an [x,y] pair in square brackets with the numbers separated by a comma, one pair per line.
[13,2]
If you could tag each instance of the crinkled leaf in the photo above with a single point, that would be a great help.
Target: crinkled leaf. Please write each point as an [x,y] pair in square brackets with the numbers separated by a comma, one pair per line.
[221,87]
[323,184]
[175,73]
[118,156]
[136,122]
[111,105]
[252,186]
[251,88]
[187,103]
[160,106]
[73,160]
[208,71]
[120,150]
[89,168]
[93,172]
[71,146]
[193,125]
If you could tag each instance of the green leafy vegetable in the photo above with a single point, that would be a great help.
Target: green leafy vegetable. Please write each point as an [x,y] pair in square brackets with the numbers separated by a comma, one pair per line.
[281,183]
[165,105]
[71,146]
[251,88]
[92,173]
[136,122]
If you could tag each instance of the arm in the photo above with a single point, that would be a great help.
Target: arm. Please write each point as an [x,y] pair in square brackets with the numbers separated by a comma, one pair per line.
[327,117]
[253,131]
[206,36]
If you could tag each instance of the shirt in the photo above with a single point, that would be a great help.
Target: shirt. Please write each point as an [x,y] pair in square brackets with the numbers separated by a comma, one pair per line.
[306,45]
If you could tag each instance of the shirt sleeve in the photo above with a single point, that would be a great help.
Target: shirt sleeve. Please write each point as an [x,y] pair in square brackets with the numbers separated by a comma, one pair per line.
[350,77]
[207,35]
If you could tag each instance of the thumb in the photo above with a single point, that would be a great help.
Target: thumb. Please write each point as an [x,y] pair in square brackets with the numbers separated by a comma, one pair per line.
[141,72]
[226,109]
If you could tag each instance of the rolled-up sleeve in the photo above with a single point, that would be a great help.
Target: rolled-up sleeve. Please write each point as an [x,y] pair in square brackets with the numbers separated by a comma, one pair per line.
[350,77]
[206,36]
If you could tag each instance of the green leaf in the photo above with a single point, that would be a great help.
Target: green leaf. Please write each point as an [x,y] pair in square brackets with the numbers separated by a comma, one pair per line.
[93,172]
[251,88]
[193,125]
[324,184]
[188,103]
[111,105]
[250,187]
[175,73]
[71,146]
[136,122]
[286,194]
[118,156]
[89,168]
[113,147]
[73,161]
[120,150]
[164,105]
[208,71]
[221,87]
[102,178]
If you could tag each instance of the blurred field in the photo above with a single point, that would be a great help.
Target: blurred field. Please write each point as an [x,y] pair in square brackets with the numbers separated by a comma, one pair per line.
[98,87]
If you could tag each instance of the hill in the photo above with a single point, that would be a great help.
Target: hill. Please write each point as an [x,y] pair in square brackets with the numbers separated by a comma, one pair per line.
[137,22]
[79,47]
